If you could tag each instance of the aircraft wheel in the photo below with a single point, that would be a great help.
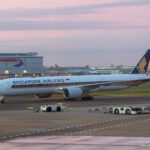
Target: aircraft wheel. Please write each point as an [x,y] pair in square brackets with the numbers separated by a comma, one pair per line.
[87,98]
[83,98]
[3,101]
[90,97]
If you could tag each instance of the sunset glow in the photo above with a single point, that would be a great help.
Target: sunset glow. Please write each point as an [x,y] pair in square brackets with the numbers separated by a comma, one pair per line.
[82,32]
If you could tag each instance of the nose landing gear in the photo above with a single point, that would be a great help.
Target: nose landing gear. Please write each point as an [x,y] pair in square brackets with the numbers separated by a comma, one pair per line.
[2,100]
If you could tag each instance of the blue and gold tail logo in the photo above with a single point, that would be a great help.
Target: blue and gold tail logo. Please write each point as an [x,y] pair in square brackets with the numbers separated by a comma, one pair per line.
[142,66]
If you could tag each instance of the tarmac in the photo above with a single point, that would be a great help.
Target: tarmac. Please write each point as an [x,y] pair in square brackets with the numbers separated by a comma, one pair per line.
[78,143]
[19,123]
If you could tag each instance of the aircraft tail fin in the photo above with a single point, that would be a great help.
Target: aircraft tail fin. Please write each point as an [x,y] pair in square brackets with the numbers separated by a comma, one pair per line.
[142,66]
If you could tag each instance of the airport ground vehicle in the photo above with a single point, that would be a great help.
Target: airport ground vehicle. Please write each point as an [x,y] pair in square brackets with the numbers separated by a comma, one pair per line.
[127,110]
[145,110]
[130,110]
[53,108]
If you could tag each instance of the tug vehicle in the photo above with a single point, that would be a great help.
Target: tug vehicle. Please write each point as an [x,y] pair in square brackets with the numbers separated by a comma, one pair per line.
[53,108]
[127,110]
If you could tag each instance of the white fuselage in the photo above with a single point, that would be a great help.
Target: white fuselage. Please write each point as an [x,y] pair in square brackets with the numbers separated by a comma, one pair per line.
[50,85]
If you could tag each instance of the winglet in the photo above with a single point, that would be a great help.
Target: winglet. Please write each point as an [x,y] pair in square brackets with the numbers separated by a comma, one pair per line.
[142,66]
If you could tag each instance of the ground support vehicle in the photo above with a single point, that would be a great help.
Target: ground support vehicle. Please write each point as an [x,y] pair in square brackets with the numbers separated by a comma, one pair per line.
[130,110]
[145,110]
[127,110]
[53,108]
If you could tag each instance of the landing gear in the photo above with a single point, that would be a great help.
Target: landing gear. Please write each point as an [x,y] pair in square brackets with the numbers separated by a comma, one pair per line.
[87,98]
[2,100]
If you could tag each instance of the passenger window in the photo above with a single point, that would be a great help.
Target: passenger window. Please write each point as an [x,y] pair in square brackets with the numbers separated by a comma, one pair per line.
[122,108]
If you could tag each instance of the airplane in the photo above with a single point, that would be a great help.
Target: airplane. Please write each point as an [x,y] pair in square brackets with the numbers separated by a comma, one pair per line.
[75,87]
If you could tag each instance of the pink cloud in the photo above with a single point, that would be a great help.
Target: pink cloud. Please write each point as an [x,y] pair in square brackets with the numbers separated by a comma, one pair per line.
[130,15]
[9,35]
[45,3]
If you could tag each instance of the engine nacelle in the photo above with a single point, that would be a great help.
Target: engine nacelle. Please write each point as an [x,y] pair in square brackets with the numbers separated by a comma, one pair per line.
[72,93]
[42,95]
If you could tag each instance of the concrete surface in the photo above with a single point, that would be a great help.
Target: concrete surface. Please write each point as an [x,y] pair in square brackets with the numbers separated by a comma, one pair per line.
[18,124]
[77,143]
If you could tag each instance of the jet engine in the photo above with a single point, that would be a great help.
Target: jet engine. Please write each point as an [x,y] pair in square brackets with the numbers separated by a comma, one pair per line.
[72,93]
[42,95]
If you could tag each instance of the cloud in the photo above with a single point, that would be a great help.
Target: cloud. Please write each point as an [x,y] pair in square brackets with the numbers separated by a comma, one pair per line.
[83,9]
[63,25]
[21,17]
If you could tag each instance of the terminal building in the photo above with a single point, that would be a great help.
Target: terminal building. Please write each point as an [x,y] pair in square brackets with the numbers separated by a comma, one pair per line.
[21,64]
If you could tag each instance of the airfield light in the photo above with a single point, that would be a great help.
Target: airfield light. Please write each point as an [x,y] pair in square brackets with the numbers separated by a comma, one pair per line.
[24,71]
[6,71]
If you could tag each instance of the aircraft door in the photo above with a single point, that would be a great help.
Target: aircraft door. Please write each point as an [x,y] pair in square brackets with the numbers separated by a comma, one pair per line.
[6,85]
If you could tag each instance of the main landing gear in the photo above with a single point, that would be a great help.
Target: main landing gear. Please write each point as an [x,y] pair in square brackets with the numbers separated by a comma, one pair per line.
[87,97]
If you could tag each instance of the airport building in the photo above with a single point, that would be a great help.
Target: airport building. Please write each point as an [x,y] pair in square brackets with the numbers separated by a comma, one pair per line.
[21,64]
[57,70]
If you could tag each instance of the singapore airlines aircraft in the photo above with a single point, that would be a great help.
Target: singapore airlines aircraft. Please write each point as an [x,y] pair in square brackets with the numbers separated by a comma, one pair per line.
[73,87]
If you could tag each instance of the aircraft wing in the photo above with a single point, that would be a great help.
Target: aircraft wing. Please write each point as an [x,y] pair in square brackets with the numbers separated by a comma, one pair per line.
[89,87]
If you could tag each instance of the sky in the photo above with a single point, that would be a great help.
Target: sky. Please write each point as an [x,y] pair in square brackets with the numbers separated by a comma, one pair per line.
[77,32]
